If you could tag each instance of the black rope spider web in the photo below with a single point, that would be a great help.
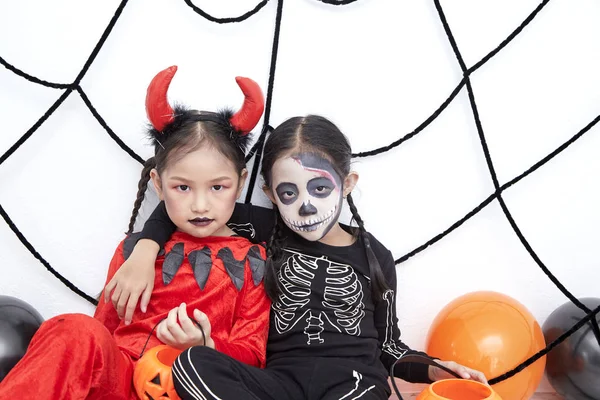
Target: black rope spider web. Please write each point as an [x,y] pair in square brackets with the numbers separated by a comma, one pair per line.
[256,151]
[227,20]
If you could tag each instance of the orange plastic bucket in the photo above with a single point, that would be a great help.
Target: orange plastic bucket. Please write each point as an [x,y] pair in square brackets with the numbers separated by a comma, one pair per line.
[152,376]
[458,389]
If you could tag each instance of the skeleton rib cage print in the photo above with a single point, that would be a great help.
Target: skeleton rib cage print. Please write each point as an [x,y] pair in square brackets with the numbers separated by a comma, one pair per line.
[341,309]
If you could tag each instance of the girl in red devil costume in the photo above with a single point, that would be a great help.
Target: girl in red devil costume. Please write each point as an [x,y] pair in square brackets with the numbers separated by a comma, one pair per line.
[207,281]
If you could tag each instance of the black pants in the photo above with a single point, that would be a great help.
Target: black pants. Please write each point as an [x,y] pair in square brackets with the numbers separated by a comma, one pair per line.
[203,373]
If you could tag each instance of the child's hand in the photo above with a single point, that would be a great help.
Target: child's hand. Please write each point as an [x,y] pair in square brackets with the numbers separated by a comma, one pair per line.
[436,374]
[179,331]
[134,278]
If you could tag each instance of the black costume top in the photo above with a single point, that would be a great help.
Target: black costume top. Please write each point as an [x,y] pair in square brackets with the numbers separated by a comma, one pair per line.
[325,307]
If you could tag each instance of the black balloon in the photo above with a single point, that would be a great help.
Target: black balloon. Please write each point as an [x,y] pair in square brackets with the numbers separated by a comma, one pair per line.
[573,367]
[18,323]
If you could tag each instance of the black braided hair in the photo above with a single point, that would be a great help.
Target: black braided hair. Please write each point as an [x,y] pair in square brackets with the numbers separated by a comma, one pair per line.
[274,256]
[378,284]
[315,134]
[142,186]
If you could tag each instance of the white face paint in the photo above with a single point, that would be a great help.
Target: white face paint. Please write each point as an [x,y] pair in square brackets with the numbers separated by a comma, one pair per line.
[308,194]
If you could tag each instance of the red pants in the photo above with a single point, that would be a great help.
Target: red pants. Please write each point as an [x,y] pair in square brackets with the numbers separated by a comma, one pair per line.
[72,356]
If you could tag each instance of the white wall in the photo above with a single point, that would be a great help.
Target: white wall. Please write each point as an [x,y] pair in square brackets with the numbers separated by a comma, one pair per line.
[376,68]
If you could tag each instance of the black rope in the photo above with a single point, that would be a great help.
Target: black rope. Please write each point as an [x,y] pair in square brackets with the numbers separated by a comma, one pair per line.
[101,42]
[256,149]
[39,122]
[110,132]
[69,87]
[337,3]
[255,146]
[241,18]
[510,37]
[35,126]
[37,255]
[469,71]
[32,78]
[494,176]
[553,154]
[588,318]
[490,164]
[261,139]
[446,232]
[505,186]
[87,64]
[418,129]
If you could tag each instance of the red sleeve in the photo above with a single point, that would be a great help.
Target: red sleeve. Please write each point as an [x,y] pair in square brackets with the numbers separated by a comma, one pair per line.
[106,312]
[247,340]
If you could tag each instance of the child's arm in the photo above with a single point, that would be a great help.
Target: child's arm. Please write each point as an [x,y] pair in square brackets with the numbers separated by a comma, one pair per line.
[104,313]
[392,348]
[386,322]
[159,227]
[135,278]
[255,223]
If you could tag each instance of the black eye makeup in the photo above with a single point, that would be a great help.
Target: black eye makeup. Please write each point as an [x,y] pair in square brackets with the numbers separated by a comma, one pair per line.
[287,192]
[320,187]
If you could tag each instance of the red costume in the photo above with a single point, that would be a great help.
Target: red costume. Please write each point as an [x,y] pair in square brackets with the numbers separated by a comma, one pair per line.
[74,356]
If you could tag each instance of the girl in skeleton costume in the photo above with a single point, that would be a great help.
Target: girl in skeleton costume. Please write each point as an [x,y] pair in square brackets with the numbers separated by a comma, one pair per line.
[333,332]
[206,270]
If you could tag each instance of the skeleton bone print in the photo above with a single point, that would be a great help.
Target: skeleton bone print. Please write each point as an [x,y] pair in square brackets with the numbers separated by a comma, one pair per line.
[389,344]
[341,308]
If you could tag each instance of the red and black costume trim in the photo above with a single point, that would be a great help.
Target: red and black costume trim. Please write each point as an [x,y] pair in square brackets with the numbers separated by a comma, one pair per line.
[201,262]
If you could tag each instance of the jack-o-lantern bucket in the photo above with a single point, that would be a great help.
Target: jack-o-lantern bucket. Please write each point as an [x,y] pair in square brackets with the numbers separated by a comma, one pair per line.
[152,376]
[447,389]
[458,389]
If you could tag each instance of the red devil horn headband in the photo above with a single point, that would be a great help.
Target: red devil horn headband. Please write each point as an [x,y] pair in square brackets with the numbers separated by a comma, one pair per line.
[254,104]
[158,109]
[160,113]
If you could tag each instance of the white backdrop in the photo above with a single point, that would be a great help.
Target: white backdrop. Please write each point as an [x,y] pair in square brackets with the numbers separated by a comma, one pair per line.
[376,68]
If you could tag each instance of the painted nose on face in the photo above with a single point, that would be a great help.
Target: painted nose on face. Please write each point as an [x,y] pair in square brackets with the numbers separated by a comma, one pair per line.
[307,209]
[200,204]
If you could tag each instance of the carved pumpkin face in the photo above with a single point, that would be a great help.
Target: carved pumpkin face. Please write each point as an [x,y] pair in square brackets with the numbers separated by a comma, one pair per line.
[458,389]
[152,376]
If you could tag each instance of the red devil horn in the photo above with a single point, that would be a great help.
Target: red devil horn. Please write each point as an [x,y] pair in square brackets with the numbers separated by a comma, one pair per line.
[158,109]
[254,104]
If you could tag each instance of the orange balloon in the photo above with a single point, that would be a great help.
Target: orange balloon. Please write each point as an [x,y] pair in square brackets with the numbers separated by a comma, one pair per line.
[458,389]
[493,333]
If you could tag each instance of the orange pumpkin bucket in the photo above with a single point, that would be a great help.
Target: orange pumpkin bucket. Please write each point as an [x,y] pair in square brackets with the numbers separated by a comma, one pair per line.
[447,389]
[152,377]
[458,389]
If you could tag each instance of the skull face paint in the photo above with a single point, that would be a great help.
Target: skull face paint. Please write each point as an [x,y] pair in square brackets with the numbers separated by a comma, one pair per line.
[308,194]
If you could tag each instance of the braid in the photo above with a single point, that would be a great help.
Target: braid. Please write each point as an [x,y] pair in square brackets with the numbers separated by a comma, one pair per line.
[378,284]
[142,186]
[274,254]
